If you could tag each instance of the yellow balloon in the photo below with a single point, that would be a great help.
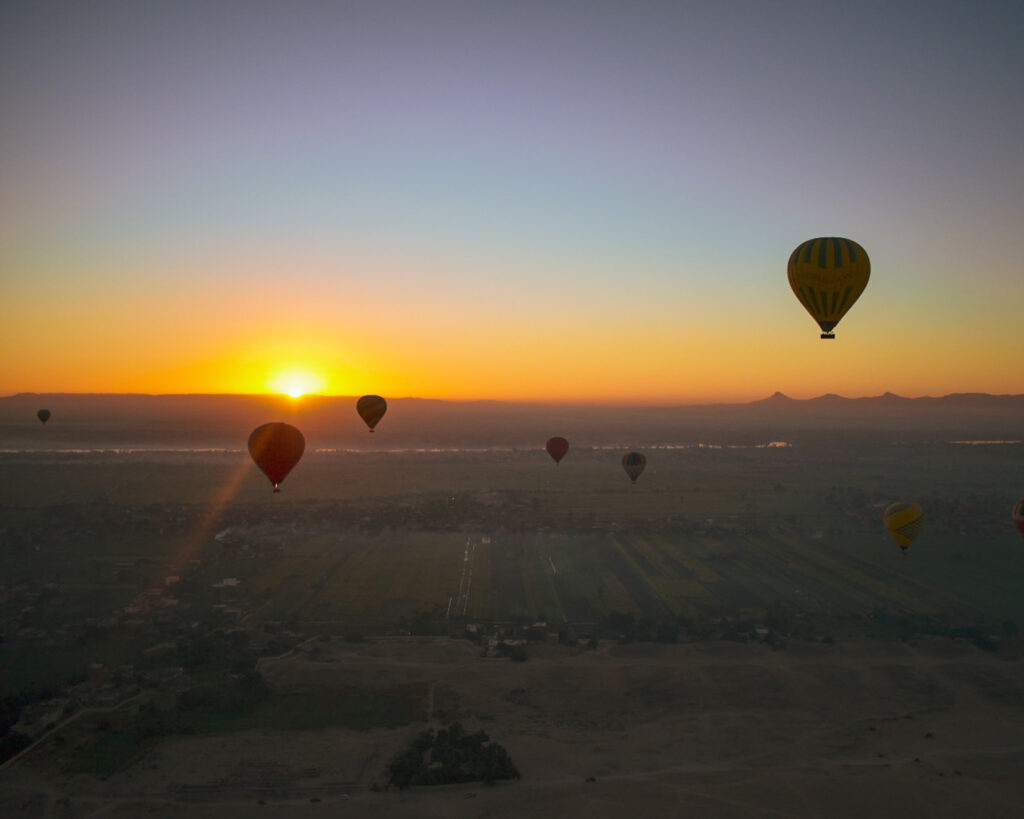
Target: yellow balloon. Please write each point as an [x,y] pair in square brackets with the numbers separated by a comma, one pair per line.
[904,521]
[828,275]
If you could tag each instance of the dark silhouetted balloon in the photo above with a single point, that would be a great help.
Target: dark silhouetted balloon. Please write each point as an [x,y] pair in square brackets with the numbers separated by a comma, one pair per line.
[276,448]
[904,521]
[634,464]
[43,415]
[1018,516]
[557,448]
[371,409]
[828,275]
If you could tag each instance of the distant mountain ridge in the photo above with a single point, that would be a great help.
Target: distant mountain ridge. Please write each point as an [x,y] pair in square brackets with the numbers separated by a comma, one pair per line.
[889,398]
[96,420]
[776,399]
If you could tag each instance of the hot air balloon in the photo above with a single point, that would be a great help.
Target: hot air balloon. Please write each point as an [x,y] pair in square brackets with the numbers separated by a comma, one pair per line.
[1018,516]
[634,464]
[371,409]
[828,275]
[557,448]
[43,415]
[904,521]
[276,448]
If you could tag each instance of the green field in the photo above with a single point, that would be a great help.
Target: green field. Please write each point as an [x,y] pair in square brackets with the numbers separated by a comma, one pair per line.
[372,541]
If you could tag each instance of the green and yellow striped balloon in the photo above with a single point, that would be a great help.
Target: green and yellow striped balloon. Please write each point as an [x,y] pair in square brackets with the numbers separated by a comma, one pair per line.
[828,275]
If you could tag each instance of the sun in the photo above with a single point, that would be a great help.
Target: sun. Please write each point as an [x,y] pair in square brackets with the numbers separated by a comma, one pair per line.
[295,382]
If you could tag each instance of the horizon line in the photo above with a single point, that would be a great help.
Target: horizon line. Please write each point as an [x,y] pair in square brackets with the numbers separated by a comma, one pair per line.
[777,396]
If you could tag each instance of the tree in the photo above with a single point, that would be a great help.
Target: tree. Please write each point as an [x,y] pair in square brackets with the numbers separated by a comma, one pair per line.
[451,756]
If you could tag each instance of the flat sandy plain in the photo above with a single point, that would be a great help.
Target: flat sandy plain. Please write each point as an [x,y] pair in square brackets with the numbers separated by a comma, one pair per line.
[928,728]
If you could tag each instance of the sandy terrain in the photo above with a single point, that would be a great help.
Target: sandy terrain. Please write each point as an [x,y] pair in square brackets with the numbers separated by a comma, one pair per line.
[933,728]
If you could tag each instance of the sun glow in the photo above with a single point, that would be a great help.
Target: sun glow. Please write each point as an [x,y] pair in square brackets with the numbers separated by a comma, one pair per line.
[295,383]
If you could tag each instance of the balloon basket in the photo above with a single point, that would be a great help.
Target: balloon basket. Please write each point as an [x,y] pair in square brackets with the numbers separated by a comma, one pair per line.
[828,335]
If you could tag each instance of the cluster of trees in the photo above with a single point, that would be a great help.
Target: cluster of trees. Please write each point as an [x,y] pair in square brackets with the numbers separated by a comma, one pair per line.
[982,632]
[240,695]
[514,652]
[12,743]
[206,649]
[11,705]
[627,629]
[451,756]
[780,621]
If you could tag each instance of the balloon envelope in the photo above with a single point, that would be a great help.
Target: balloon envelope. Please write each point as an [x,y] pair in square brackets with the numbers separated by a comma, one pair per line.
[1018,516]
[43,415]
[557,448]
[828,275]
[276,448]
[371,409]
[634,464]
[904,521]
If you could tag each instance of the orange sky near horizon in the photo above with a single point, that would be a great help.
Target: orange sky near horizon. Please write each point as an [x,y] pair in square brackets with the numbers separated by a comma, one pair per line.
[414,204]
[517,358]
[234,324]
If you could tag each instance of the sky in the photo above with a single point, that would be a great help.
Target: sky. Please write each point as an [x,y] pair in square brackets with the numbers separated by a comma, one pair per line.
[537,201]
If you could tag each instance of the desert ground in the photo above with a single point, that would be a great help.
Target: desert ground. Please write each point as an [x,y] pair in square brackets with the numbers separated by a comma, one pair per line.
[818,670]
[933,727]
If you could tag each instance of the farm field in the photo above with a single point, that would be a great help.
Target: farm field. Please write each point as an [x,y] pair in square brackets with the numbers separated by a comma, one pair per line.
[163,611]
[371,540]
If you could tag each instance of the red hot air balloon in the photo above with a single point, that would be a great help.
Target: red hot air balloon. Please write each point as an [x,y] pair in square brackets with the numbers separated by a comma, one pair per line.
[1018,516]
[634,464]
[371,409]
[557,448]
[276,448]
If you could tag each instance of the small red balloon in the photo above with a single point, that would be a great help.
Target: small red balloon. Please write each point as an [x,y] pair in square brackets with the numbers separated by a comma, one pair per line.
[276,448]
[557,448]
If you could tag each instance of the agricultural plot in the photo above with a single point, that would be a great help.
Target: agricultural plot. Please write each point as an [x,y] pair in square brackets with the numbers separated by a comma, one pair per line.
[383,537]
[581,579]
[389,577]
[353,575]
